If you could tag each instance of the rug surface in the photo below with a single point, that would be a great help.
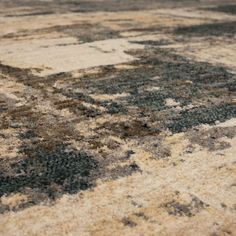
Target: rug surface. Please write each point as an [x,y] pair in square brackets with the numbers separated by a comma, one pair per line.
[117,117]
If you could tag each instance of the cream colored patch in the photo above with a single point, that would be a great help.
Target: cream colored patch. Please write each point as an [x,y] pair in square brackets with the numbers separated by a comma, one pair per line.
[152,89]
[228,123]
[56,59]
[89,71]
[219,52]
[102,97]
[171,102]
[124,67]
[13,199]
[89,105]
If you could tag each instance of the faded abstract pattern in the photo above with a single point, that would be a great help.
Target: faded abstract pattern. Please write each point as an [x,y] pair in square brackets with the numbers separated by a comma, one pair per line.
[117,117]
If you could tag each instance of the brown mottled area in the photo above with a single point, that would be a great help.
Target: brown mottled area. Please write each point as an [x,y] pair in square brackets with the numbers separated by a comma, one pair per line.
[117,117]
